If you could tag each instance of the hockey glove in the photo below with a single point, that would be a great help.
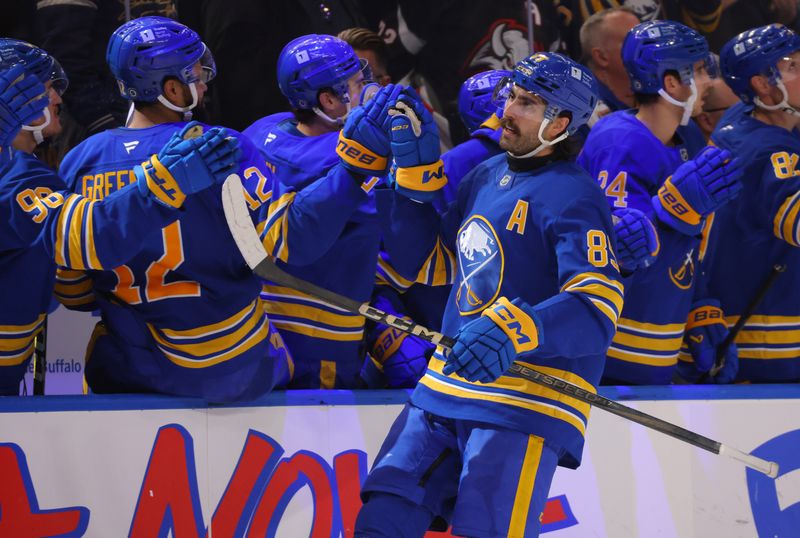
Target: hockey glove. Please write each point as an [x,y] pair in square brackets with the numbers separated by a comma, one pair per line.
[705,331]
[363,144]
[418,172]
[189,162]
[697,188]
[22,99]
[485,347]
[637,239]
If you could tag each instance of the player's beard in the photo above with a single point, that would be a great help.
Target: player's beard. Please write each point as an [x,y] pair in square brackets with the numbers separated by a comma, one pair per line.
[515,142]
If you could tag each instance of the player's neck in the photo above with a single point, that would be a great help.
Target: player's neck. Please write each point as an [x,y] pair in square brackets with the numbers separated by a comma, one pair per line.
[153,115]
[317,127]
[661,118]
[778,118]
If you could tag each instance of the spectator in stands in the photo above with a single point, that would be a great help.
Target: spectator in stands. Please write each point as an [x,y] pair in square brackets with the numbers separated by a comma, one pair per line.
[369,46]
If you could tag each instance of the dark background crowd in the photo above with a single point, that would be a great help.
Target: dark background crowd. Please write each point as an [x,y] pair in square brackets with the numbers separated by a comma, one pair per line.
[433,45]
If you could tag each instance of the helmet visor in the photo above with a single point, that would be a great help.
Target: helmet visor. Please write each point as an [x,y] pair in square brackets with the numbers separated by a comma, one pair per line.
[203,70]
[58,77]
[506,92]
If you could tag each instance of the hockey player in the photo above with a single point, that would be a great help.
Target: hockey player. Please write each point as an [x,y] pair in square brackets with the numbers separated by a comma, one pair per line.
[43,223]
[322,78]
[184,316]
[527,247]
[760,228]
[645,161]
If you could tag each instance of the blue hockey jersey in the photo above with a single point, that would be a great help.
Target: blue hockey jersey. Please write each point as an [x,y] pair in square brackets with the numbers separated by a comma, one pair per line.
[537,230]
[42,224]
[630,164]
[184,315]
[326,342]
[758,229]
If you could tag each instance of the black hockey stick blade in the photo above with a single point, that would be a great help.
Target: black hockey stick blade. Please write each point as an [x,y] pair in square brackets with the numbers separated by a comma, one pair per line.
[246,237]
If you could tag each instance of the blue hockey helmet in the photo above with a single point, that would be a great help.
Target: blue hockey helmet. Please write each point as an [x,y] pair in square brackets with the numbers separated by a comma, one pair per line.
[652,48]
[564,84]
[756,52]
[475,103]
[312,63]
[143,52]
[36,61]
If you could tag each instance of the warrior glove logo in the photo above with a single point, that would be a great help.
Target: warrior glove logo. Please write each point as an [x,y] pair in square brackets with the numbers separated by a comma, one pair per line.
[480,265]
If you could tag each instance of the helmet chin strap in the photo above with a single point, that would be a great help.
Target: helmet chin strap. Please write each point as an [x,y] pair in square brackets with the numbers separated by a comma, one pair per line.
[543,143]
[185,110]
[36,130]
[333,121]
[688,105]
[783,106]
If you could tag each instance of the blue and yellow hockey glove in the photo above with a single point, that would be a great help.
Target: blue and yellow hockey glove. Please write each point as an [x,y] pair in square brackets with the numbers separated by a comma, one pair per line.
[397,359]
[697,188]
[705,331]
[23,98]
[417,172]
[637,239]
[190,161]
[363,144]
[486,346]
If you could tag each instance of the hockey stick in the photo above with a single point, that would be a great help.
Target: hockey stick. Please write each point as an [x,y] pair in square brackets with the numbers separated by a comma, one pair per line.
[246,237]
[40,360]
[719,361]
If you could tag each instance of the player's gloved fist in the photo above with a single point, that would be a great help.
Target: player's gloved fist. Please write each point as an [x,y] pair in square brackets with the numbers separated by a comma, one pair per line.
[485,347]
[23,98]
[363,144]
[705,331]
[697,188]
[637,239]
[417,172]
[190,161]
[397,359]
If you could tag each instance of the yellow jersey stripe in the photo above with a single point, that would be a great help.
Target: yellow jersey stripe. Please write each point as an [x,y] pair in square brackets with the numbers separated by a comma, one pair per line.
[505,399]
[312,314]
[522,498]
[768,337]
[581,277]
[642,358]
[643,342]
[88,242]
[769,353]
[279,292]
[214,328]
[317,332]
[766,321]
[669,329]
[786,218]
[63,228]
[18,358]
[327,374]
[528,388]
[609,312]
[396,279]
[600,290]
[256,338]
[22,329]
[210,347]
[75,234]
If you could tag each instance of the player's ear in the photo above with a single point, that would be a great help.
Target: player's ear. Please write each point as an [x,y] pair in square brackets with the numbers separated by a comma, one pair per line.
[556,127]
[599,57]
[761,86]
[671,83]
[173,91]
[327,101]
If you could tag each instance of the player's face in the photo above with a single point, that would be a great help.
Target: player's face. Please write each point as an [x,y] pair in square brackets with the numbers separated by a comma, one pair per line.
[354,86]
[703,82]
[197,73]
[54,106]
[523,113]
[789,68]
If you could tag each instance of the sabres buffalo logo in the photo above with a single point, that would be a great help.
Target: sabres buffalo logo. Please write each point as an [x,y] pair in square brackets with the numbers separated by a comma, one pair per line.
[480,265]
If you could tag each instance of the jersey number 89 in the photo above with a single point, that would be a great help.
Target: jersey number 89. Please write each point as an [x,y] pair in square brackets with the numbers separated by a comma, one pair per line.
[599,251]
